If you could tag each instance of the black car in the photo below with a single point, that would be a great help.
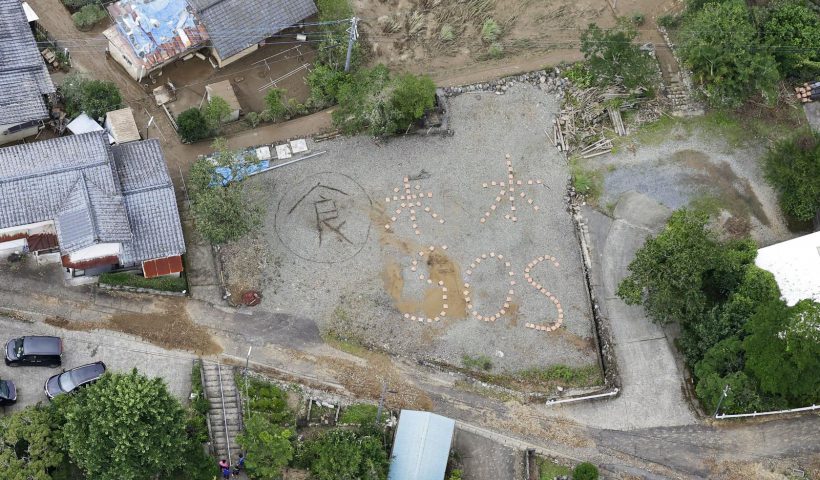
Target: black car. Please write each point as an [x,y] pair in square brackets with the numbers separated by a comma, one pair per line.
[70,380]
[8,393]
[34,351]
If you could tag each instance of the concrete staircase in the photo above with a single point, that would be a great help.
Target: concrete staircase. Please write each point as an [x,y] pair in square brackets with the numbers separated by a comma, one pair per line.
[225,412]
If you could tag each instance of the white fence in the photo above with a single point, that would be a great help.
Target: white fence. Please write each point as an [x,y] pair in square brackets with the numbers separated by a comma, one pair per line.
[759,414]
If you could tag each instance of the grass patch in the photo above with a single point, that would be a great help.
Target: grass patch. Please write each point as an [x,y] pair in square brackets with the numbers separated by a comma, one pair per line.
[561,374]
[359,414]
[587,182]
[707,203]
[197,425]
[481,362]
[548,470]
[165,284]
[266,399]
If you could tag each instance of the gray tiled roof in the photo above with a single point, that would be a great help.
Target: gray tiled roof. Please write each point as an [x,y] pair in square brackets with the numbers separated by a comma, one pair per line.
[150,201]
[234,25]
[24,77]
[94,193]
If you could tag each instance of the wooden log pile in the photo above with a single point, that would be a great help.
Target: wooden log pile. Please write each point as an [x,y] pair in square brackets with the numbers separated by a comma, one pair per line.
[808,92]
[602,146]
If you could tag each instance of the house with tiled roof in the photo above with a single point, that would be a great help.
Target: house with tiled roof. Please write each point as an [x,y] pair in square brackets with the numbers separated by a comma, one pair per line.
[149,34]
[101,207]
[24,79]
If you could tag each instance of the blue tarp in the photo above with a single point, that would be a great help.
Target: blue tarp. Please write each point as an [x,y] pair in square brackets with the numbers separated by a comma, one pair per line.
[245,164]
[158,22]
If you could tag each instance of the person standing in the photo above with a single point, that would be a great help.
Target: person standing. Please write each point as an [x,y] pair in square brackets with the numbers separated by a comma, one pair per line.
[226,473]
[239,465]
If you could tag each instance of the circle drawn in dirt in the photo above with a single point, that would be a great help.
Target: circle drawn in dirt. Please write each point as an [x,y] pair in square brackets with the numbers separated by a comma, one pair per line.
[325,218]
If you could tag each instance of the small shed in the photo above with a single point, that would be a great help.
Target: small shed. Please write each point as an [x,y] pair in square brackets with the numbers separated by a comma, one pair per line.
[421,447]
[225,90]
[795,265]
[85,124]
[121,126]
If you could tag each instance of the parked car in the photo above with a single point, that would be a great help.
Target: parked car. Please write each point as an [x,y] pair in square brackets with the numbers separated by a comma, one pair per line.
[8,393]
[34,351]
[70,380]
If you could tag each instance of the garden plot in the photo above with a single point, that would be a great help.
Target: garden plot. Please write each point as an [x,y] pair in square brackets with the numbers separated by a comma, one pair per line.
[441,248]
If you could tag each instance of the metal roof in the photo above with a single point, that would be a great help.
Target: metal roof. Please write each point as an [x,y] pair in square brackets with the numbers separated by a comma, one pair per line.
[225,91]
[24,76]
[795,265]
[421,447]
[234,25]
[121,125]
[94,193]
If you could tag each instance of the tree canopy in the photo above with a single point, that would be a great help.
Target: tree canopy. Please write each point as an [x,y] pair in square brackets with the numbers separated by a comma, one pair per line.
[124,427]
[791,32]
[267,447]
[720,45]
[94,97]
[217,112]
[793,167]
[28,450]
[346,455]
[612,57]
[192,125]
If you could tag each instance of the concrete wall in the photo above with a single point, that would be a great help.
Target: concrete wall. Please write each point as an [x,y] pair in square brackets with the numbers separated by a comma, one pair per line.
[29,229]
[121,57]
[12,246]
[16,136]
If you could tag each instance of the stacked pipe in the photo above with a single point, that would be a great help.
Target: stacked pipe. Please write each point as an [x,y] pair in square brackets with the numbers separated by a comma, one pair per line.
[809,92]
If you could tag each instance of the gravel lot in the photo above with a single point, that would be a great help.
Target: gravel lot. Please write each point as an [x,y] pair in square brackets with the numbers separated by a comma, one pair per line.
[339,265]
[690,166]
[119,352]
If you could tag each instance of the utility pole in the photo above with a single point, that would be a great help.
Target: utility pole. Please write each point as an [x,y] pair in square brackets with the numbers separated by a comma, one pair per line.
[722,396]
[354,34]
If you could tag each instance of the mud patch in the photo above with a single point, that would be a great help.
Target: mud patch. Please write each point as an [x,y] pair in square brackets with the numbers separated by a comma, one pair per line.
[171,328]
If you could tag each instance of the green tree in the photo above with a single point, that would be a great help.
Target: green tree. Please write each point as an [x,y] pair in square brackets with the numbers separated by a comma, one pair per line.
[792,34]
[94,97]
[333,48]
[585,471]
[123,427]
[412,96]
[28,447]
[88,16]
[221,212]
[192,125]
[783,350]
[217,112]
[346,455]
[275,105]
[721,47]
[741,397]
[325,83]
[267,447]
[667,273]
[793,168]
[612,57]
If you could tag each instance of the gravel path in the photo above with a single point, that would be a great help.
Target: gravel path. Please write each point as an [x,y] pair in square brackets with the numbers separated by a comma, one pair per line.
[358,277]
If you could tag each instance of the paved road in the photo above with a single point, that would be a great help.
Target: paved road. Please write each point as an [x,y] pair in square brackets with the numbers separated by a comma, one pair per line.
[651,393]
[119,352]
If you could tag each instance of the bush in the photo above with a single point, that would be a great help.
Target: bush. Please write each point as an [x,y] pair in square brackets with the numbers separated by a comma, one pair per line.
[793,168]
[638,19]
[88,16]
[720,45]
[792,33]
[446,33]
[490,31]
[192,125]
[252,119]
[345,454]
[266,399]
[267,447]
[216,112]
[276,108]
[94,97]
[495,51]
[612,57]
[585,471]
[372,100]
[77,4]
[165,284]
[325,83]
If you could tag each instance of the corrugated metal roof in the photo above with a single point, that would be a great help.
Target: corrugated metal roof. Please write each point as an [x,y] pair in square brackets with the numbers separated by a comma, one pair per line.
[24,76]
[234,25]
[421,447]
[122,126]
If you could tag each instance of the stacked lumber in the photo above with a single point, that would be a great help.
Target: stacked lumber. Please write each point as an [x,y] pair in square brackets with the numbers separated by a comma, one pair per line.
[602,146]
[617,121]
[809,92]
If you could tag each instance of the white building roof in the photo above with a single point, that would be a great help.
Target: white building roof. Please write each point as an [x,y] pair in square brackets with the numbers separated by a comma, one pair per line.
[795,265]
[421,447]
[121,125]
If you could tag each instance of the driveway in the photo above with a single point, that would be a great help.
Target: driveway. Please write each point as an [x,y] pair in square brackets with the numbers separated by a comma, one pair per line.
[120,353]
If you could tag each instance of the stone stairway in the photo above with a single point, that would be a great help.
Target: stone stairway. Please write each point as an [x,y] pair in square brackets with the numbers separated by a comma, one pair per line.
[225,412]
